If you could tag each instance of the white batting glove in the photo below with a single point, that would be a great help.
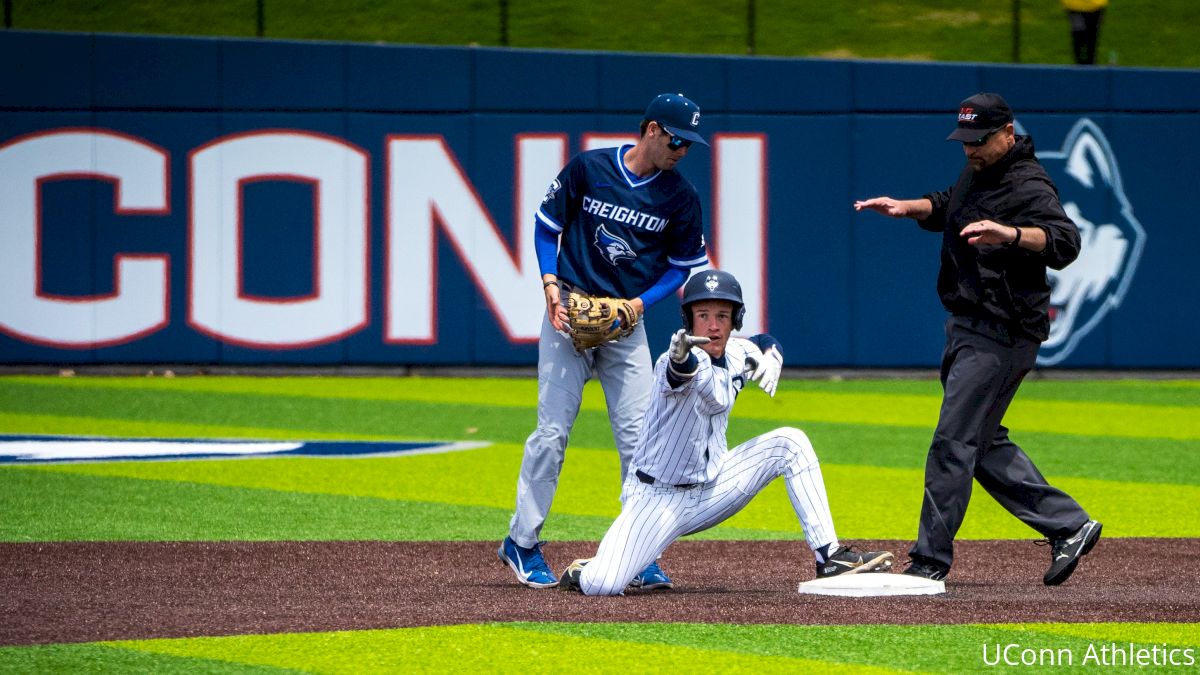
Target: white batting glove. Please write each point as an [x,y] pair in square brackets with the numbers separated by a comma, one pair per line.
[682,343]
[766,371]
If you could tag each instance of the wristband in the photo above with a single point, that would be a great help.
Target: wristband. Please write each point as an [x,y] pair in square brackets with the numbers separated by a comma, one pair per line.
[548,283]
[1015,242]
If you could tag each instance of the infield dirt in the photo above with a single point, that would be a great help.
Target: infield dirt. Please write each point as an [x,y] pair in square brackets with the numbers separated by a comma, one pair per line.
[88,591]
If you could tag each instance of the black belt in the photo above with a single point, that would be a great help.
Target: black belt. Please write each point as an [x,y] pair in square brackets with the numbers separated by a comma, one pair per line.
[650,480]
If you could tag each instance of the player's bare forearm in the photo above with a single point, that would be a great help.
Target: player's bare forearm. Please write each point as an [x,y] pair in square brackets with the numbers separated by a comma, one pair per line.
[1033,238]
[917,209]
[988,232]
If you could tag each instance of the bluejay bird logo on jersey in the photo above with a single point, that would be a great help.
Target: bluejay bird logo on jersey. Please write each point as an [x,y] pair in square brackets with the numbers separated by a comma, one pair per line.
[555,186]
[1112,239]
[613,248]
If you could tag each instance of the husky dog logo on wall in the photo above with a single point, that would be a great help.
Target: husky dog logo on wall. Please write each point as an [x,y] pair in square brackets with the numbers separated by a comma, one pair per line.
[1112,239]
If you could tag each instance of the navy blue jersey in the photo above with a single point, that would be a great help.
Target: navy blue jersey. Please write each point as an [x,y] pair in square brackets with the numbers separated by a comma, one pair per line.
[620,233]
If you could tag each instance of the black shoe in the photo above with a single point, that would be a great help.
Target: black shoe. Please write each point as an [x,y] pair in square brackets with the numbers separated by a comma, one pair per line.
[925,571]
[569,581]
[845,560]
[1065,553]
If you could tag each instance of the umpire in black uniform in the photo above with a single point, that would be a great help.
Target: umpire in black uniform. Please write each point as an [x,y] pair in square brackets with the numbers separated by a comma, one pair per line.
[1002,225]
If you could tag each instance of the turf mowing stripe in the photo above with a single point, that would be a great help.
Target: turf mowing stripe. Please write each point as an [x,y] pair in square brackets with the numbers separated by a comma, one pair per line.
[13,423]
[37,505]
[519,391]
[433,479]
[901,410]
[95,657]
[473,648]
[1176,634]
[389,419]
[41,505]
[893,509]
[420,497]
[300,417]
[1060,417]
[931,648]
[1150,460]
[1148,392]
[1144,459]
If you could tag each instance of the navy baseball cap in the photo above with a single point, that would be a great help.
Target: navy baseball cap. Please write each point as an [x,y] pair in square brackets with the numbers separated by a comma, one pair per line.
[979,116]
[678,115]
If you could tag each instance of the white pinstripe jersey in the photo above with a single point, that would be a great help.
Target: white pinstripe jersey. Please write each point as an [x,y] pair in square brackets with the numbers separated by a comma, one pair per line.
[683,435]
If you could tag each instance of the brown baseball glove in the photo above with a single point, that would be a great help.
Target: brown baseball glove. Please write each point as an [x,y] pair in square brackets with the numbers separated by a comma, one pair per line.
[594,321]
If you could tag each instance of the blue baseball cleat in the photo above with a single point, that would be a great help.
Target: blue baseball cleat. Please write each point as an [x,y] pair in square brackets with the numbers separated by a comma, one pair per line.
[528,564]
[651,578]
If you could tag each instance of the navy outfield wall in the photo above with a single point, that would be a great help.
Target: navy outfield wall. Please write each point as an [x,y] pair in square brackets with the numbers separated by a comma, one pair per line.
[236,201]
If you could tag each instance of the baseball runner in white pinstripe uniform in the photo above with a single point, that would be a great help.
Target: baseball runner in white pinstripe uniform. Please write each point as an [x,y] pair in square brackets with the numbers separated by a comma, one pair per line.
[684,478]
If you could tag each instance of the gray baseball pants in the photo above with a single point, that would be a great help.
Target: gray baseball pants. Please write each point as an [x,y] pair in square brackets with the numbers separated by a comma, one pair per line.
[626,375]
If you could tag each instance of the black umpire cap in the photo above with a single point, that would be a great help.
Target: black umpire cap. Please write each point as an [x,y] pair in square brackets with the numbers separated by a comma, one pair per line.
[980,115]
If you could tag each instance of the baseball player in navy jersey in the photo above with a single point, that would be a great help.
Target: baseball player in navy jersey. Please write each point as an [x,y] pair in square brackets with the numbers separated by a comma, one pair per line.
[685,478]
[618,222]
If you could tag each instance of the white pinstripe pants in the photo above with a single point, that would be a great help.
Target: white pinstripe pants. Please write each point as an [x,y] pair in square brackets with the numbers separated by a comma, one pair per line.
[654,515]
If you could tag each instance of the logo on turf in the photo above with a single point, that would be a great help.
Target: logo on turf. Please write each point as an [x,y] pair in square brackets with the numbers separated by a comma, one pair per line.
[19,449]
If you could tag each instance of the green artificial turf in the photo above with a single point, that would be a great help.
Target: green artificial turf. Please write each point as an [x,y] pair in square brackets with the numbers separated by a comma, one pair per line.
[468,495]
[603,647]
[1109,443]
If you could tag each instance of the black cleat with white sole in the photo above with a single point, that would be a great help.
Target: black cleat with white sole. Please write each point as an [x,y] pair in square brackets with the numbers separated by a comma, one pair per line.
[845,560]
[1066,552]
[569,581]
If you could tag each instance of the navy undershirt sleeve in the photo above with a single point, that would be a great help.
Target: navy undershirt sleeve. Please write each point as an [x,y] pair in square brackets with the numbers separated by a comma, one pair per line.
[681,373]
[765,341]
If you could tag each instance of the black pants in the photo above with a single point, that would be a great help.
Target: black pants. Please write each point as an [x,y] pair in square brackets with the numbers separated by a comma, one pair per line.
[981,369]
[1085,33]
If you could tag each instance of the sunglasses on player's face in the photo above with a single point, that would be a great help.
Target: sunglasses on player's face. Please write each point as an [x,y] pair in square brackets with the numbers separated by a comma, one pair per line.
[982,141]
[674,142]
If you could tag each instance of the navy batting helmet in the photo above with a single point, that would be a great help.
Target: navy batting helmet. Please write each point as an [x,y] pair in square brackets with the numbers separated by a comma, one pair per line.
[712,285]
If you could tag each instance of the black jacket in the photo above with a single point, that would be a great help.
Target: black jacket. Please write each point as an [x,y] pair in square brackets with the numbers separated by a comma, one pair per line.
[1002,284]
